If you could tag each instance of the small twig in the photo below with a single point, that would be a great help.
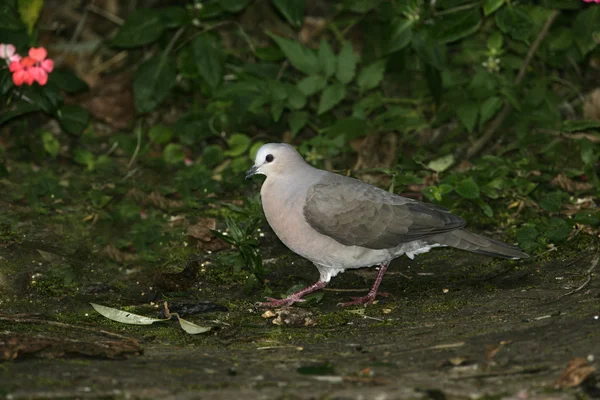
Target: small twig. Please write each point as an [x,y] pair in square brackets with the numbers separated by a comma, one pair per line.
[506,110]
[345,290]
[587,280]
[138,132]
[575,135]
[103,13]
[108,63]
[282,70]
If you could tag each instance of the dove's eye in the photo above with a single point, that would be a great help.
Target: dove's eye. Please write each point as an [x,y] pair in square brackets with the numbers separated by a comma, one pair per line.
[269,158]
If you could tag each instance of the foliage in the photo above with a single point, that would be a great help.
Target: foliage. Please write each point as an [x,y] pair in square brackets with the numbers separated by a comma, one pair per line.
[452,71]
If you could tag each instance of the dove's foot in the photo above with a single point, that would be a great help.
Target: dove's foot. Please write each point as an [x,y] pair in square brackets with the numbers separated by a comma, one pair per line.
[292,298]
[368,299]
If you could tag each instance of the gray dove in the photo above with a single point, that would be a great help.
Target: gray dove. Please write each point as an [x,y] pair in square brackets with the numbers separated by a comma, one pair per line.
[340,223]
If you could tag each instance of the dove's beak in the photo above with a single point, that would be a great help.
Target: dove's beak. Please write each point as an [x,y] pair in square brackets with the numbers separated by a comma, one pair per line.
[251,171]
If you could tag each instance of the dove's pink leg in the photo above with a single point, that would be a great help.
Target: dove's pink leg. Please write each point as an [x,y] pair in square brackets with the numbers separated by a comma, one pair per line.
[294,297]
[373,292]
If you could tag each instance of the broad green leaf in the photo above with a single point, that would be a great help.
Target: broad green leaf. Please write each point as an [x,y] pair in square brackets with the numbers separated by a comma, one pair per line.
[552,201]
[327,58]
[22,109]
[67,81]
[351,128]
[487,210]
[277,110]
[495,41]
[442,163]
[30,11]
[467,114]
[174,16]
[585,27]
[401,35]
[73,119]
[458,25]
[85,157]
[143,26]
[173,153]
[292,10]
[527,237]
[489,108]
[331,96]
[160,134]
[557,229]
[312,84]
[468,189]
[297,121]
[124,317]
[10,17]
[563,4]
[51,144]
[212,155]
[346,65]
[152,82]
[490,6]
[515,22]
[301,58]
[233,6]
[371,76]
[360,6]
[561,39]
[209,59]
[587,152]
[238,144]
[296,99]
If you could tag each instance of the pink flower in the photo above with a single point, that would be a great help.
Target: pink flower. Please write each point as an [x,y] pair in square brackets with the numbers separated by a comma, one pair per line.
[591,1]
[33,68]
[7,52]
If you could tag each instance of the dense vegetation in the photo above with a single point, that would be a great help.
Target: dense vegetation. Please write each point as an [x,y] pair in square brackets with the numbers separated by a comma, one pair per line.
[150,116]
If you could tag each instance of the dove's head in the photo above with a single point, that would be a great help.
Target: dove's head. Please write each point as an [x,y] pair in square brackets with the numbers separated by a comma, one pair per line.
[275,159]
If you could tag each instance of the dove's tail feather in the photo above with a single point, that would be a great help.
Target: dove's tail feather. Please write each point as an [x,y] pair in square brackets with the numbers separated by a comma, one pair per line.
[465,240]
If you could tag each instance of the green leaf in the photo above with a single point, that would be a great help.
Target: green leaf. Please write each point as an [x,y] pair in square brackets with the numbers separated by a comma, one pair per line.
[489,108]
[152,82]
[67,81]
[587,152]
[51,144]
[552,202]
[401,35]
[173,153]
[346,66]
[73,119]
[490,6]
[238,144]
[442,163]
[212,155]
[467,114]
[586,25]
[468,189]
[292,10]
[579,125]
[233,6]
[527,237]
[10,17]
[143,26]
[330,97]
[327,58]
[209,59]
[174,17]
[22,109]
[297,121]
[312,84]
[371,76]
[30,11]
[160,134]
[557,229]
[495,41]
[85,157]
[296,99]
[514,21]
[457,25]
[485,207]
[351,128]
[301,58]
[276,110]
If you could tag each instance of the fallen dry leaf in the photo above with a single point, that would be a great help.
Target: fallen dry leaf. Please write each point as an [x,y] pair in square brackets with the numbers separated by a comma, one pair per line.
[565,183]
[201,231]
[294,317]
[577,371]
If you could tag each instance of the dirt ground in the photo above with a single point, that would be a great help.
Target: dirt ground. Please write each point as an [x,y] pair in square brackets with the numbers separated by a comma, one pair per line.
[453,326]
